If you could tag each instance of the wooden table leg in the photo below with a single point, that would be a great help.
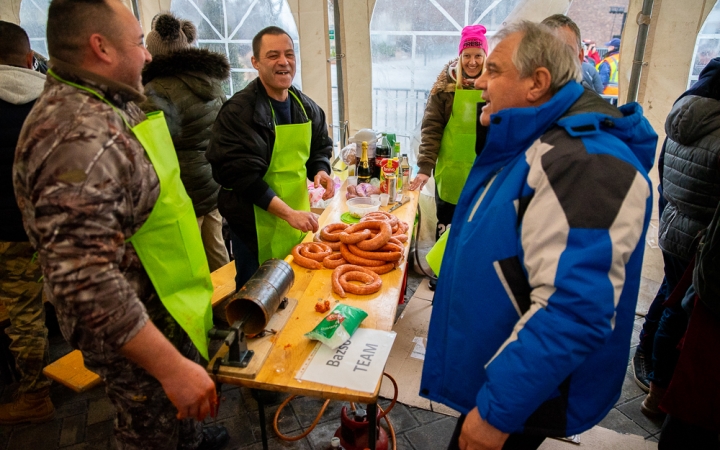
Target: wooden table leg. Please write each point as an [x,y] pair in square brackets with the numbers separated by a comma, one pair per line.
[261,411]
[372,429]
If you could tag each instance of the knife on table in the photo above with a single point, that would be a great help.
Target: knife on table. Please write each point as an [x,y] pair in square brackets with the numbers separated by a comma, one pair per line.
[400,203]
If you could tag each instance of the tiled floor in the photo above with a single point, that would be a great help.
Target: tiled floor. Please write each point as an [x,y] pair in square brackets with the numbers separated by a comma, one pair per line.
[84,421]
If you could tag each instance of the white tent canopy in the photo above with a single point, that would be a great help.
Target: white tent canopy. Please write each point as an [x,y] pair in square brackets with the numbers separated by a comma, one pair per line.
[673,30]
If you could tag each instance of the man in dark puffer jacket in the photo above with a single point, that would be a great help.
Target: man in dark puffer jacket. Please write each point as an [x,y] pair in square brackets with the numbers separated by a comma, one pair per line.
[186,84]
[691,186]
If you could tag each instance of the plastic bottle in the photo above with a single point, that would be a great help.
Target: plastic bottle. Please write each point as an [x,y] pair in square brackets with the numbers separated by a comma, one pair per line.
[405,172]
[382,151]
[335,443]
[363,169]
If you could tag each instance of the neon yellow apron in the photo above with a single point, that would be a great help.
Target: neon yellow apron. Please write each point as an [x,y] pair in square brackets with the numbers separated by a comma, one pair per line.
[457,147]
[287,176]
[435,256]
[168,243]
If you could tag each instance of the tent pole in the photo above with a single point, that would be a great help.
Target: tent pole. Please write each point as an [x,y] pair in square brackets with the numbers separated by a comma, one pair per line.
[643,21]
[339,58]
[135,8]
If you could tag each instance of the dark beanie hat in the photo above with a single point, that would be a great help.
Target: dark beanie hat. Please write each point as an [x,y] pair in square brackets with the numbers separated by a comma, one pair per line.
[169,34]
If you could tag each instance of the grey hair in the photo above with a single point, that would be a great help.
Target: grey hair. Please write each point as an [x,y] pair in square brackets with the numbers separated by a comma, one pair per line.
[540,47]
[557,21]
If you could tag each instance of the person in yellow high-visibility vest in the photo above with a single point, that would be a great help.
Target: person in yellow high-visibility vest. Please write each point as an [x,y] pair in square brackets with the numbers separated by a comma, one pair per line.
[608,67]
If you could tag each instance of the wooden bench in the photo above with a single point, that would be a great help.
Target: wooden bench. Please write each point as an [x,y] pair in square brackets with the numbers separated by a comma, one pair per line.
[70,370]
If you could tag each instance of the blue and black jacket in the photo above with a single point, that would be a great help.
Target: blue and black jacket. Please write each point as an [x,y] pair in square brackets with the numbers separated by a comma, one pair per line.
[534,309]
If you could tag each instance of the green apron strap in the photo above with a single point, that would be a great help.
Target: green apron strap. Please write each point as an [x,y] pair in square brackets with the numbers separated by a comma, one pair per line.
[95,93]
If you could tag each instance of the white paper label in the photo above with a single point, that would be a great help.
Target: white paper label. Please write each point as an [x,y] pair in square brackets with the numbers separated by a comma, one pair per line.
[357,364]
[419,350]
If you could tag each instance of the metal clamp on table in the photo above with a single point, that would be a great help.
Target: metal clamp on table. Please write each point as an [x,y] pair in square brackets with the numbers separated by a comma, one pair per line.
[238,354]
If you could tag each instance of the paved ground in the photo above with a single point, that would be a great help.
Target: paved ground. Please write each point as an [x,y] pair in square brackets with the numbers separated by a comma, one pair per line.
[85,421]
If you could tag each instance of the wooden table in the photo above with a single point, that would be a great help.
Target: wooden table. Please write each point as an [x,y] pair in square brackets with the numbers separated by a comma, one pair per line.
[292,348]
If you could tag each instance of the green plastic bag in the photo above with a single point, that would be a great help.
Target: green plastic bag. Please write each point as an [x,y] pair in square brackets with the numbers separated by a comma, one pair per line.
[337,327]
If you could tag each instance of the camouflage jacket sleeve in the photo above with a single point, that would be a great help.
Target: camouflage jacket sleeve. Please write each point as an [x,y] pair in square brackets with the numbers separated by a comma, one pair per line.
[85,187]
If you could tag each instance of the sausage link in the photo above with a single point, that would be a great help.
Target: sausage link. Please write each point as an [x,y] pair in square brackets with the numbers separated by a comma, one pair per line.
[385,268]
[330,233]
[353,237]
[337,288]
[400,237]
[378,241]
[303,261]
[372,283]
[333,261]
[335,246]
[387,255]
[381,215]
[357,260]
[316,251]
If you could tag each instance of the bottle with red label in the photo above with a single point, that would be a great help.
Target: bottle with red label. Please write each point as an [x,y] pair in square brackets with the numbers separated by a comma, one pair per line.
[382,151]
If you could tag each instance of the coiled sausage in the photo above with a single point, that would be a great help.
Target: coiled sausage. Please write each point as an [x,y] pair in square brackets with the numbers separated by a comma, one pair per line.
[346,268]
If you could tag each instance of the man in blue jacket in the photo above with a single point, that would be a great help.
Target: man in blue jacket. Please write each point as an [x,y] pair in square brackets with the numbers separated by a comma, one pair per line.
[533,313]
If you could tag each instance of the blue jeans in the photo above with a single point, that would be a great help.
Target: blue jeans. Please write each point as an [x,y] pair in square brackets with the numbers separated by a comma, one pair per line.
[654,313]
[652,319]
[674,270]
[246,261]
[671,327]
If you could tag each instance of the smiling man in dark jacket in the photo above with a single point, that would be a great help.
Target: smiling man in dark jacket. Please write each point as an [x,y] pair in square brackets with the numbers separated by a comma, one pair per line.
[267,141]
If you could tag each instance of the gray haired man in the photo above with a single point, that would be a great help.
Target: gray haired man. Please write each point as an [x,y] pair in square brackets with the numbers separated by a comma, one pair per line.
[568,31]
[541,270]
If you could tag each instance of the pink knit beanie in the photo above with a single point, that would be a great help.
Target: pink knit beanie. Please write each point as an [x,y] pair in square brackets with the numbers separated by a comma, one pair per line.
[473,36]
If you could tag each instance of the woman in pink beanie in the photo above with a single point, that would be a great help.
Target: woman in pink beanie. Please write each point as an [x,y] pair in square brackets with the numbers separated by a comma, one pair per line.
[448,131]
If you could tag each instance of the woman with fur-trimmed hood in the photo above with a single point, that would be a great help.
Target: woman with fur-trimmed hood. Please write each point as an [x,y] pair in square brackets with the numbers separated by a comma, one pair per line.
[186,84]
[449,125]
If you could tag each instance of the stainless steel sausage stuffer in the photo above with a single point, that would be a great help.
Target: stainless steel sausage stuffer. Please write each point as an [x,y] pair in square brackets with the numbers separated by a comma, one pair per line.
[250,309]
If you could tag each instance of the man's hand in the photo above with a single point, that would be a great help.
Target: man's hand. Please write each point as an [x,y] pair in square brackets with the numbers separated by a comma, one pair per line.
[300,220]
[419,181]
[477,434]
[186,384]
[303,220]
[191,390]
[322,178]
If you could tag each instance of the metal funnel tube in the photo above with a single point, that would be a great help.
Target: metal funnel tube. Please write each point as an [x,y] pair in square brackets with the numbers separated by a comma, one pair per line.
[259,299]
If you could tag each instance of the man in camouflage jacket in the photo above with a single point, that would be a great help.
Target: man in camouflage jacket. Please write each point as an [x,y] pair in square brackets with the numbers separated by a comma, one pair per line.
[84,186]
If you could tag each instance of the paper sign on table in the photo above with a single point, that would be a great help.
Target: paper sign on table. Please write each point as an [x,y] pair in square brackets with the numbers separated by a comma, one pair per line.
[358,364]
